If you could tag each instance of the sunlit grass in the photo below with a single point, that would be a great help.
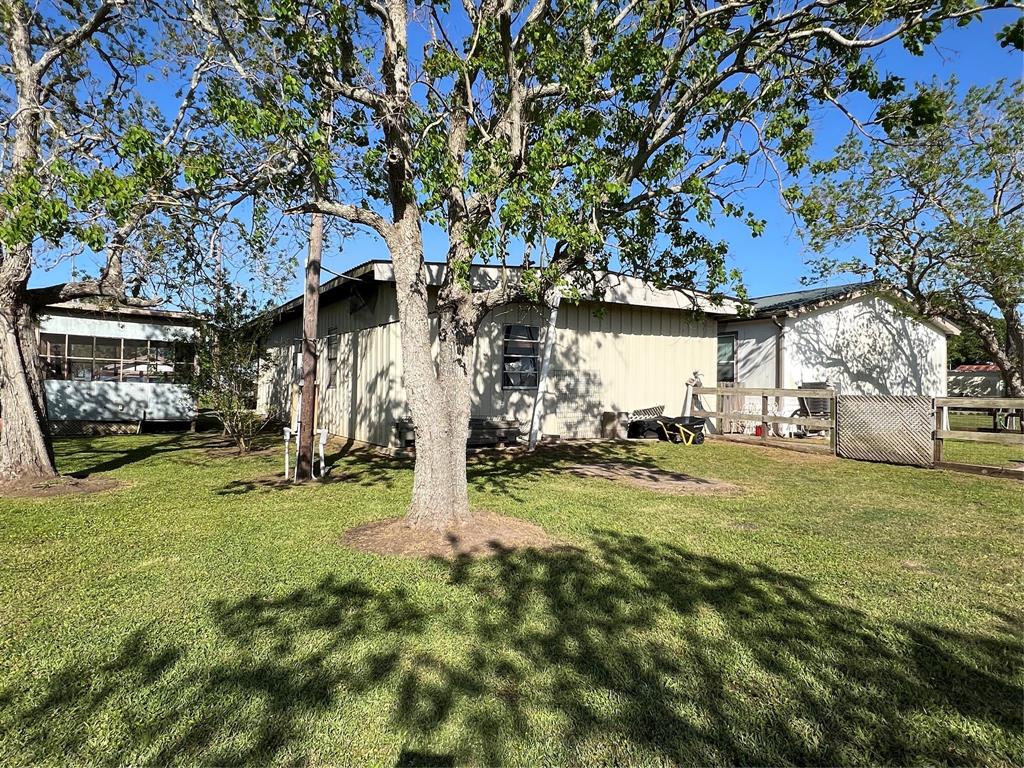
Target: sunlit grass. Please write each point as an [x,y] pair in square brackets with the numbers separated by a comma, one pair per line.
[832,612]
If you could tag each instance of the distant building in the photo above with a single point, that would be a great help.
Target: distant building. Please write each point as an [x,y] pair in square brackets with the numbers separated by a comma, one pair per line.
[114,368]
[976,380]
[977,368]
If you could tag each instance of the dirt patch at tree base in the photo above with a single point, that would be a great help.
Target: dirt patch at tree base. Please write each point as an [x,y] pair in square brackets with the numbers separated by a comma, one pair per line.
[484,534]
[651,478]
[58,486]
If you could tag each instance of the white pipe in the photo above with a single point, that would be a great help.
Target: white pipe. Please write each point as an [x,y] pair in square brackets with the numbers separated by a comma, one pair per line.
[287,444]
[322,443]
[549,342]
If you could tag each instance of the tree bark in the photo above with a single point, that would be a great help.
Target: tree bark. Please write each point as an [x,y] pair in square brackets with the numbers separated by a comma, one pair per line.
[26,452]
[25,449]
[438,389]
[310,316]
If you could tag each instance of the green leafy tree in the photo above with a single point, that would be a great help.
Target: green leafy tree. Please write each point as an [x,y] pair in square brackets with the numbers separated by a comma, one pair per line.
[87,162]
[941,209]
[230,347]
[967,347]
[598,133]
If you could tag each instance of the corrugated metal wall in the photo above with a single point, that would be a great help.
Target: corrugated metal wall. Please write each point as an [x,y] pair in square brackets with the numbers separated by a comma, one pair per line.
[617,359]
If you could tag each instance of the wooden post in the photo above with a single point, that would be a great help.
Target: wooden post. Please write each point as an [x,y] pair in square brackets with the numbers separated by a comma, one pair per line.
[939,426]
[833,417]
[310,314]
[764,418]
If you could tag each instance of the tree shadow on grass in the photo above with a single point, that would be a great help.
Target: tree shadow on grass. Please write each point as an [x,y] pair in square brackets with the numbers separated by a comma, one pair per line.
[630,651]
[90,455]
[502,471]
[488,470]
[359,466]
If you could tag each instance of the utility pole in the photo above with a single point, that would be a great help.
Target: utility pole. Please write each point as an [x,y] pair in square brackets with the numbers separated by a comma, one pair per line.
[310,315]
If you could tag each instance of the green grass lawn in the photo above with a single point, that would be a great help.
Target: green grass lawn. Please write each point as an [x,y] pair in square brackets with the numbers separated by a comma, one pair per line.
[987,454]
[831,612]
[970,452]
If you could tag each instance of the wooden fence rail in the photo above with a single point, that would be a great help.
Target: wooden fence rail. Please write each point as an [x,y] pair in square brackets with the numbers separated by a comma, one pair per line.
[767,418]
[941,434]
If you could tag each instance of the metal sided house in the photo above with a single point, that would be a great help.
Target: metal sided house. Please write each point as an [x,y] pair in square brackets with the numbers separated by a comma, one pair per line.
[110,368]
[634,348]
[855,337]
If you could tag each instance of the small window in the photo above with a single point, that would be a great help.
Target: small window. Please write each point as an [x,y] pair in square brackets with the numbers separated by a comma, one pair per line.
[52,344]
[108,349]
[519,365]
[80,370]
[333,348]
[134,360]
[51,355]
[80,347]
[161,351]
[53,368]
[727,358]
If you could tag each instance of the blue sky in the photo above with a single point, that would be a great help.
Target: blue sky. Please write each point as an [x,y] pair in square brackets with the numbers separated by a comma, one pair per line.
[775,261]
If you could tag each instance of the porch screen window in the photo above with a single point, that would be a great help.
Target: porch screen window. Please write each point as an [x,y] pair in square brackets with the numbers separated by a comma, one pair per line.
[727,358]
[99,358]
[519,364]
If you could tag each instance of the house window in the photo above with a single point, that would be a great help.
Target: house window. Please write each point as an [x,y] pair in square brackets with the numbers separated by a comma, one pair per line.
[333,347]
[134,360]
[107,360]
[99,358]
[519,366]
[80,357]
[52,348]
[727,358]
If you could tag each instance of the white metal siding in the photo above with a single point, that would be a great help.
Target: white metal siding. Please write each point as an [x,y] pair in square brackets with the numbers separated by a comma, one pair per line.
[620,359]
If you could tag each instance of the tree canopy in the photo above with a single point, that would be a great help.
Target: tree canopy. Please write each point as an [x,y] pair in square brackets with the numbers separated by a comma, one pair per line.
[941,208]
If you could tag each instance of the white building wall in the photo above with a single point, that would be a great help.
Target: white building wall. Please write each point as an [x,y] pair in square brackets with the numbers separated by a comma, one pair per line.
[113,327]
[866,346]
[974,384]
[618,359]
[863,346]
[755,352]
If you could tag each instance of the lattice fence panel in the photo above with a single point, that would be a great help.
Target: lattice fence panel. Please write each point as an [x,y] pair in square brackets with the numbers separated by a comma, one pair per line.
[888,428]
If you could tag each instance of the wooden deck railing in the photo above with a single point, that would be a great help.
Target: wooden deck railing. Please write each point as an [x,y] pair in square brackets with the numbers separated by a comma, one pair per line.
[765,417]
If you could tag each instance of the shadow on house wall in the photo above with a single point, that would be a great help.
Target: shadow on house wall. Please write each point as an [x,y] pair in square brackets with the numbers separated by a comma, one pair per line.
[868,349]
[631,651]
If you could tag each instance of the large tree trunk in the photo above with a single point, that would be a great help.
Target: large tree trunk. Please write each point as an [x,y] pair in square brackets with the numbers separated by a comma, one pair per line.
[26,453]
[440,497]
[25,450]
[438,390]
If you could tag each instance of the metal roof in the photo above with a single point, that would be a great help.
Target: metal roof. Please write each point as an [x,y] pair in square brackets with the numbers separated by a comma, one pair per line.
[784,302]
[616,288]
